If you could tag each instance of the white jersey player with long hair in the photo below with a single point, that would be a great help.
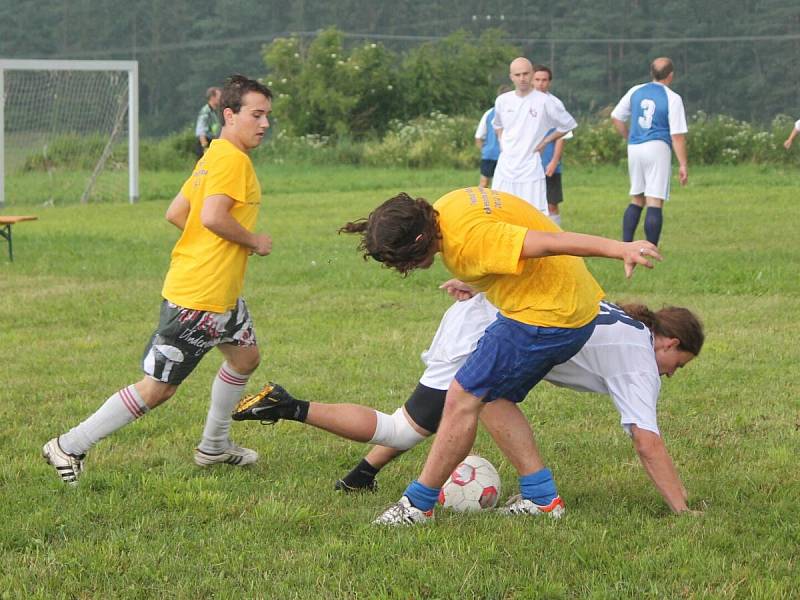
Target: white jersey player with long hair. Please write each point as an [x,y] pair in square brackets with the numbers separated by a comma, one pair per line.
[630,348]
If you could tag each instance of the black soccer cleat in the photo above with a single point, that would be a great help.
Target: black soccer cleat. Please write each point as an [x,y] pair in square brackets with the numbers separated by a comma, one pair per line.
[341,486]
[269,406]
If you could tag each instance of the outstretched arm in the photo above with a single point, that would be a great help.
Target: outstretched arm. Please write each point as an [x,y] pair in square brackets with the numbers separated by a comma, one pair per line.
[659,466]
[540,243]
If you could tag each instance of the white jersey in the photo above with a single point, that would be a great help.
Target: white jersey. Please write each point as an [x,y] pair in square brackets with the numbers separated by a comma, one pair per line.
[797,125]
[618,360]
[525,121]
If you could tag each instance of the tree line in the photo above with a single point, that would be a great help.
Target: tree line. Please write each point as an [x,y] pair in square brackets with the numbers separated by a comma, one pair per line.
[732,57]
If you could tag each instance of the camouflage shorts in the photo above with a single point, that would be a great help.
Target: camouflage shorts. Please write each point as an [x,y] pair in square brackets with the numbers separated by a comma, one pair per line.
[185,335]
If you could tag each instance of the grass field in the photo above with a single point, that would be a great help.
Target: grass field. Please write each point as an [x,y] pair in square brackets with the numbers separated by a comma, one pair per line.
[81,298]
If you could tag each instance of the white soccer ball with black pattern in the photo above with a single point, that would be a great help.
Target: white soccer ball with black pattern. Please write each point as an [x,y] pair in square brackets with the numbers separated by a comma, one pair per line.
[473,485]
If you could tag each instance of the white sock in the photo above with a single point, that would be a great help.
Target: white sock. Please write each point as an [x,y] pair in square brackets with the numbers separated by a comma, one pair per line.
[556,219]
[226,391]
[119,410]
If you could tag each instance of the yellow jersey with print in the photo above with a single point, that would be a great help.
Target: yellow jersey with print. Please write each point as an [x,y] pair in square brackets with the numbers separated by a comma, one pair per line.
[206,271]
[482,235]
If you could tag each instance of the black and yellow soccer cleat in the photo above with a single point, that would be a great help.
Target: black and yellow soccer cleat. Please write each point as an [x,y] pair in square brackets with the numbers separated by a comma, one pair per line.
[269,406]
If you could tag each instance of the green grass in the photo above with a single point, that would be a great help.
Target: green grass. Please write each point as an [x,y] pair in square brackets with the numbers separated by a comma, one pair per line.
[79,302]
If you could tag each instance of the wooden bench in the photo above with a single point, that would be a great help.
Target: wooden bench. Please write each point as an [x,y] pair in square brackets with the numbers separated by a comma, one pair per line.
[5,230]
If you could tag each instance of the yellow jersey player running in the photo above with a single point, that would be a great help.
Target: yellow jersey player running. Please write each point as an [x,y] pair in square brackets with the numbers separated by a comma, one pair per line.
[501,245]
[216,210]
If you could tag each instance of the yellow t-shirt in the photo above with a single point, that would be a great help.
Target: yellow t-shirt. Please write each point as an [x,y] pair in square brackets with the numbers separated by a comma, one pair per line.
[206,271]
[483,231]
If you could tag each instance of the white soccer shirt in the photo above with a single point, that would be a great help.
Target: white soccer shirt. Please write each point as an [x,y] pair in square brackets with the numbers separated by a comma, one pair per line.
[525,121]
[797,125]
[482,130]
[618,360]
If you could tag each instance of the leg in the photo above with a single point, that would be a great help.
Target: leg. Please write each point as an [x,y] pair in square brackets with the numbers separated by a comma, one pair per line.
[66,452]
[630,220]
[454,440]
[226,390]
[485,182]
[512,433]
[653,220]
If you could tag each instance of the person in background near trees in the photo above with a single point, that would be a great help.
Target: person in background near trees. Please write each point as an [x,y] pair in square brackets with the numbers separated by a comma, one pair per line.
[208,125]
[522,119]
[216,211]
[551,155]
[657,124]
[486,141]
[793,134]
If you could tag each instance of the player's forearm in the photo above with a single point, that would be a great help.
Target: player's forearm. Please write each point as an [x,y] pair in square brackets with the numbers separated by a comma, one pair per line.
[479,143]
[178,212]
[679,147]
[540,243]
[659,467]
[559,150]
[228,228]
[556,135]
[621,128]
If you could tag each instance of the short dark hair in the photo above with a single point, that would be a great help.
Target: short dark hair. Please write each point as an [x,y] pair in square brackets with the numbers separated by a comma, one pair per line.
[547,70]
[211,92]
[662,73]
[401,233]
[236,87]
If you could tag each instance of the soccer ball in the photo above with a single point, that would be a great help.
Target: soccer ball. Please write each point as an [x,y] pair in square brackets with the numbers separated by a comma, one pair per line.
[474,485]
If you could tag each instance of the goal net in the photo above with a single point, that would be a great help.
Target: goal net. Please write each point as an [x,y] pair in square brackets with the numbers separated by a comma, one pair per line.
[68,131]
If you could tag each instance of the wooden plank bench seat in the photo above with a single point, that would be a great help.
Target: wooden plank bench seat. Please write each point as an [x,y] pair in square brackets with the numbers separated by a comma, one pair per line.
[6,221]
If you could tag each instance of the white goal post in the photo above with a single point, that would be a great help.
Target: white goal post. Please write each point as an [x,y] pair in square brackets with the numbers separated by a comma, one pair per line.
[131,110]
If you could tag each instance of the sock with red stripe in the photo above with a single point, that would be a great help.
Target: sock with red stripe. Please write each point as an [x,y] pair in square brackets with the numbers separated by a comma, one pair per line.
[119,410]
[226,391]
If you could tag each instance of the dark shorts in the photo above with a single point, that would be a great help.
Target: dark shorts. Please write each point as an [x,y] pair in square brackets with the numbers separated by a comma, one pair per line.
[425,407]
[487,167]
[512,357]
[554,193]
[184,336]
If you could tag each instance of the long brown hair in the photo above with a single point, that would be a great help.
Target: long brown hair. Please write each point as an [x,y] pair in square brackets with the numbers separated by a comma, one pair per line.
[671,322]
[401,233]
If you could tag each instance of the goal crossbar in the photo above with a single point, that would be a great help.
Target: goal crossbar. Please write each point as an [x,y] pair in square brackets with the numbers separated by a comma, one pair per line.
[131,67]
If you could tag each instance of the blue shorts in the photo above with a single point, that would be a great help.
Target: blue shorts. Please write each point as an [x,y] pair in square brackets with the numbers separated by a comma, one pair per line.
[488,167]
[512,357]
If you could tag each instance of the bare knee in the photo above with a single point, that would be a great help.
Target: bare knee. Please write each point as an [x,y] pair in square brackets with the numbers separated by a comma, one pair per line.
[242,359]
[155,392]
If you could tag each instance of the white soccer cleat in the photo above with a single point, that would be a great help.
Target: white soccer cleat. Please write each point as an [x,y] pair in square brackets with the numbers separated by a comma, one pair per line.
[68,466]
[403,513]
[517,505]
[233,455]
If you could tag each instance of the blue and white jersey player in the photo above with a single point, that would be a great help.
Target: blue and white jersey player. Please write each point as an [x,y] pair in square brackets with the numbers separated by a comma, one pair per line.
[522,120]
[657,125]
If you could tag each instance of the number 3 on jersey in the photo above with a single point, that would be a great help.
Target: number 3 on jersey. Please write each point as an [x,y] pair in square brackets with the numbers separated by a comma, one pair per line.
[648,109]
[610,314]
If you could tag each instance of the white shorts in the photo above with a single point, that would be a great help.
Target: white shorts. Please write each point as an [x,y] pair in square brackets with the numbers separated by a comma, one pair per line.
[460,329]
[533,192]
[650,167]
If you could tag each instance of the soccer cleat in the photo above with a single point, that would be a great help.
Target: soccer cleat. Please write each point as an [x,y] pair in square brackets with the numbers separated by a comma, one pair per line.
[233,455]
[403,513]
[517,505]
[68,466]
[342,486]
[269,405]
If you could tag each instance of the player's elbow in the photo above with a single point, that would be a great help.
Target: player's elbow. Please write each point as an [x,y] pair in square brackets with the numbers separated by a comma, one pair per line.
[647,443]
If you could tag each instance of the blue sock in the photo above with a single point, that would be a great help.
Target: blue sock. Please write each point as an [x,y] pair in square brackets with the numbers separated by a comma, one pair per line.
[630,221]
[652,224]
[538,487]
[422,496]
